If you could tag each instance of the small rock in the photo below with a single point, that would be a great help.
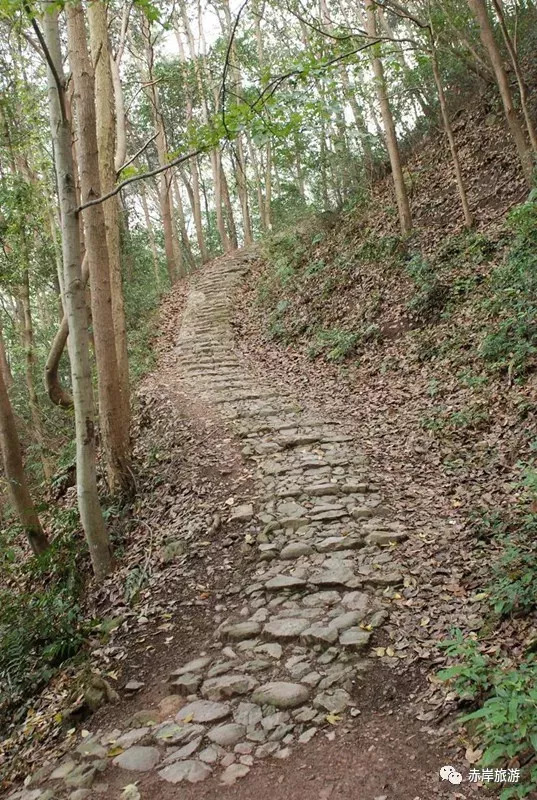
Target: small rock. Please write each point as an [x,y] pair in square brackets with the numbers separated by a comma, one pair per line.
[196,665]
[284,582]
[281,694]
[134,686]
[285,628]
[242,513]
[334,701]
[227,734]
[138,759]
[307,736]
[226,686]
[354,638]
[296,550]
[191,771]
[233,773]
[204,711]
[242,630]
[247,714]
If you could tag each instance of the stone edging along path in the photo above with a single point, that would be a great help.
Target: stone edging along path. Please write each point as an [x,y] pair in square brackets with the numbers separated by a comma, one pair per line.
[284,664]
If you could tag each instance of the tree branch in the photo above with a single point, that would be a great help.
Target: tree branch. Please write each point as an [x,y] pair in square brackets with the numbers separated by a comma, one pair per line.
[173,163]
[138,153]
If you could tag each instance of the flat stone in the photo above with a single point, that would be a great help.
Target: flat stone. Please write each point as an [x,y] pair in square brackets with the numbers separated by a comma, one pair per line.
[176,733]
[322,489]
[272,721]
[362,512]
[347,620]
[318,599]
[196,665]
[267,749]
[183,752]
[336,576]
[243,748]
[225,686]
[242,513]
[307,736]
[211,754]
[138,759]
[354,638]
[328,514]
[333,543]
[319,634]
[78,794]
[227,734]
[241,630]
[284,582]
[143,717]
[281,694]
[285,628]
[187,683]
[191,771]
[247,714]
[296,550]
[129,738]
[170,705]
[272,649]
[82,776]
[334,701]
[233,773]
[355,601]
[204,711]
[291,510]
[134,686]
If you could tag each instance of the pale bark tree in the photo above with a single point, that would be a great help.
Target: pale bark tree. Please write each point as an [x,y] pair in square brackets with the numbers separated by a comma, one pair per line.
[165,190]
[195,194]
[150,234]
[106,146]
[24,314]
[403,206]
[75,305]
[4,363]
[114,435]
[479,10]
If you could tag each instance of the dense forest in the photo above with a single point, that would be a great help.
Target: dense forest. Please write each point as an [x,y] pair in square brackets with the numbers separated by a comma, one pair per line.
[371,166]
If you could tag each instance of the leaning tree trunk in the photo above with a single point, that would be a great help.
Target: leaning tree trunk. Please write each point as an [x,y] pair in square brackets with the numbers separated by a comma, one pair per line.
[479,9]
[75,308]
[14,473]
[468,218]
[115,443]
[405,219]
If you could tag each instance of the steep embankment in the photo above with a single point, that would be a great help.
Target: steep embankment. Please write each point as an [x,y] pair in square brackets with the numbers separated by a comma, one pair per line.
[428,347]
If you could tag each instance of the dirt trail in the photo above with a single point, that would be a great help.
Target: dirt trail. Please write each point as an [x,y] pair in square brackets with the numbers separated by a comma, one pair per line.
[283,699]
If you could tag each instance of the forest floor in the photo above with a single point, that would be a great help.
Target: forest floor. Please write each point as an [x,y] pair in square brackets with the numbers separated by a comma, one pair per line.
[281,544]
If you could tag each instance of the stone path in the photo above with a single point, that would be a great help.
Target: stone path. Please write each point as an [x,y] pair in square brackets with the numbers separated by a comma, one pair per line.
[285,661]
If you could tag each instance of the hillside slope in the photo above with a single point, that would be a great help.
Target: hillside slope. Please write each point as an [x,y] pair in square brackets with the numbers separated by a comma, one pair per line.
[427,345]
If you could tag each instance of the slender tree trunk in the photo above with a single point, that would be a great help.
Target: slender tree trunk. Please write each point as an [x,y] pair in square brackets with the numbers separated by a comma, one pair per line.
[479,9]
[27,337]
[405,219]
[75,308]
[191,261]
[106,146]
[14,473]
[523,89]
[229,210]
[151,235]
[268,186]
[162,151]
[258,185]
[468,219]
[4,363]
[111,403]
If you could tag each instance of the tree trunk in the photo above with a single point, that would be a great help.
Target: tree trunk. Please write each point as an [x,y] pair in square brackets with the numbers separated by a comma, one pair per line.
[4,363]
[162,151]
[523,89]
[111,403]
[27,337]
[229,209]
[468,219]
[106,146]
[405,219]
[479,9]
[75,308]
[14,473]
[151,235]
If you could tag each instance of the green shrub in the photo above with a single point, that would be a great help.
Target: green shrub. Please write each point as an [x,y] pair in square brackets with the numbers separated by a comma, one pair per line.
[431,295]
[511,346]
